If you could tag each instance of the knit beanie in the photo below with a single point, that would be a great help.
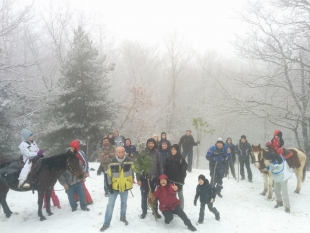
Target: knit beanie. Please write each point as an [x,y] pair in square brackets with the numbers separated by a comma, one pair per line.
[243,136]
[26,133]
[201,177]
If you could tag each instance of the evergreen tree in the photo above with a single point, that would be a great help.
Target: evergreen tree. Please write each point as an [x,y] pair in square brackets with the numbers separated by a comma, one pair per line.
[83,109]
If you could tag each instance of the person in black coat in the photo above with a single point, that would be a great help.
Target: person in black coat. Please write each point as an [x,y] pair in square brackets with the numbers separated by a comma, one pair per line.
[175,168]
[187,142]
[207,194]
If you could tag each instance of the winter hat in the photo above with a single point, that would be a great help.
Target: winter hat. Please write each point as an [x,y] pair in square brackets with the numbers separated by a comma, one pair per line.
[150,140]
[220,140]
[26,133]
[269,155]
[177,147]
[243,136]
[201,177]
[278,133]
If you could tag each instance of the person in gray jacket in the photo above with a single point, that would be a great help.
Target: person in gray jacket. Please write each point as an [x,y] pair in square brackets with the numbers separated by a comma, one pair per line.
[157,170]
[73,184]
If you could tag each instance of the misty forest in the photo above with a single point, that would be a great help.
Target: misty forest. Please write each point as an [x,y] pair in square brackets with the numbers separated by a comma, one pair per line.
[65,76]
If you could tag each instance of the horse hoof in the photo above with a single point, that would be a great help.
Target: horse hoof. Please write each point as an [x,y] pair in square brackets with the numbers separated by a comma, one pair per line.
[296,191]
[263,194]
[50,213]
[42,218]
[8,215]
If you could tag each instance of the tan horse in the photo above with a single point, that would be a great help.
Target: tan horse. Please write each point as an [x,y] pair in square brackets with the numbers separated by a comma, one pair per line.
[261,163]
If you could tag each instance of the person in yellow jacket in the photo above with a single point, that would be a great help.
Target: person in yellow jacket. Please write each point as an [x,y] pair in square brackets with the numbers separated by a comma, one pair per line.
[119,182]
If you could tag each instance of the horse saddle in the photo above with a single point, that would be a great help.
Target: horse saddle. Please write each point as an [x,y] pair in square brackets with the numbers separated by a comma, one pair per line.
[11,170]
[287,153]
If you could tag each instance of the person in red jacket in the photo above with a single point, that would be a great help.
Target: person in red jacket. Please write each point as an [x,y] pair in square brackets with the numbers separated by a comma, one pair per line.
[277,142]
[169,204]
[81,156]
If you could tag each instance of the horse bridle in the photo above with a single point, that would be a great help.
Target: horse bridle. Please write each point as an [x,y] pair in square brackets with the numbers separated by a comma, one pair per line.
[69,167]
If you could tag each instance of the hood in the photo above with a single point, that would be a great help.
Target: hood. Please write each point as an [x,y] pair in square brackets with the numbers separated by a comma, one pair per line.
[177,147]
[163,176]
[161,136]
[26,133]
[278,133]
[128,140]
[75,144]
[228,139]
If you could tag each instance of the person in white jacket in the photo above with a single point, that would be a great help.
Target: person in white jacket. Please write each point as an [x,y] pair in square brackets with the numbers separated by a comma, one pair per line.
[29,150]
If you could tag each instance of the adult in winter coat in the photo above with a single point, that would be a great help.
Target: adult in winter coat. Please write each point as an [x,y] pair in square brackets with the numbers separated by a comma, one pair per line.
[29,150]
[81,156]
[130,150]
[119,181]
[277,142]
[156,171]
[187,142]
[244,151]
[207,195]
[165,152]
[73,185]
[105,153]
[111,139]
[118,139]
[155,137]
[217,156]
[169,204]
[163,138]
[280,173]
[231,160]
[175,168]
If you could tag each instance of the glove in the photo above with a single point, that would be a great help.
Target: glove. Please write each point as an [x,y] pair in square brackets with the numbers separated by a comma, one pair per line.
[195,203]
[40,153]
[110,189]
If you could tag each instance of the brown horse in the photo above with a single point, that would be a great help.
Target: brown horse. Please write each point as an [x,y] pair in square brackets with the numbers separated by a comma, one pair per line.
[44,176]
[260,162]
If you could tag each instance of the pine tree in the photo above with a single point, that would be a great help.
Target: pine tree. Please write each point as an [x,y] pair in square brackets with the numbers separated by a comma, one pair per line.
[83,110]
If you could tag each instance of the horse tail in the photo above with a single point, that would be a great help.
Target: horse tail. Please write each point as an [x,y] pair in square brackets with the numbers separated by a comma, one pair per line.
[304,171]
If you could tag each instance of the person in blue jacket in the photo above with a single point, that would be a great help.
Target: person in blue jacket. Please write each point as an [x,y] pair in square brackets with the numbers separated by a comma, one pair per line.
[217,156]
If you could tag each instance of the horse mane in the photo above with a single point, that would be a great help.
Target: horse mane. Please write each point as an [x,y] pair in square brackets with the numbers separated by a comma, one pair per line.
[53,161]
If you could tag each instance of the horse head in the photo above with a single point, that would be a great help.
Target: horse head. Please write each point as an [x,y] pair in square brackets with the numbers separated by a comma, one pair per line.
[73,165]
[257,154]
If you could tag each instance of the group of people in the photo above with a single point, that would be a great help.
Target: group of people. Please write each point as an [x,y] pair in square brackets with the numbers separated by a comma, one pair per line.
[166,178]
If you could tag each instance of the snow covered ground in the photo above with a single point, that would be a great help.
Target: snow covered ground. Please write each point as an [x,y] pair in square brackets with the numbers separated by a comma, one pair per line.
[242,209]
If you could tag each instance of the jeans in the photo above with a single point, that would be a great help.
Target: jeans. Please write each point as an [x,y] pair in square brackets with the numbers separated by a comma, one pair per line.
[78,189]
[202,210]
[105,183]
[189,160]
[145,191]
[181,198]
[178,211]
[110,206]
[247,165]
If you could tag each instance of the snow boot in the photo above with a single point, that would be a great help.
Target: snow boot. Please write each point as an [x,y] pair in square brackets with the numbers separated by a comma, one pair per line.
[200,221]
[124,221]
[191,227]
[85,209]
[103,228]
[142,216]
[106,194]
[279,204]
[217,215]
[156,214]
[287,210]
[242,178]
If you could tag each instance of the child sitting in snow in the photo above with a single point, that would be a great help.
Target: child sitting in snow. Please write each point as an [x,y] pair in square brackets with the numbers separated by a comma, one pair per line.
[207,195]
[169,204]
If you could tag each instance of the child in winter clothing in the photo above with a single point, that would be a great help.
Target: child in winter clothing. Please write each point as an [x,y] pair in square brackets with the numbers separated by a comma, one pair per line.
[207,195]
[169,204]
[277,142]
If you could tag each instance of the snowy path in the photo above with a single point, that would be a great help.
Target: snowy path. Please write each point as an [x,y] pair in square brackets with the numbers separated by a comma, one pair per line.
[242,209]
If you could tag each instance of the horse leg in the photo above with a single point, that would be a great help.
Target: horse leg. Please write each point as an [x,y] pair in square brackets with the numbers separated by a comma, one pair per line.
[270,183]
[298,173]
[3,193]
[48,202]
[40,203]
[265,185]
